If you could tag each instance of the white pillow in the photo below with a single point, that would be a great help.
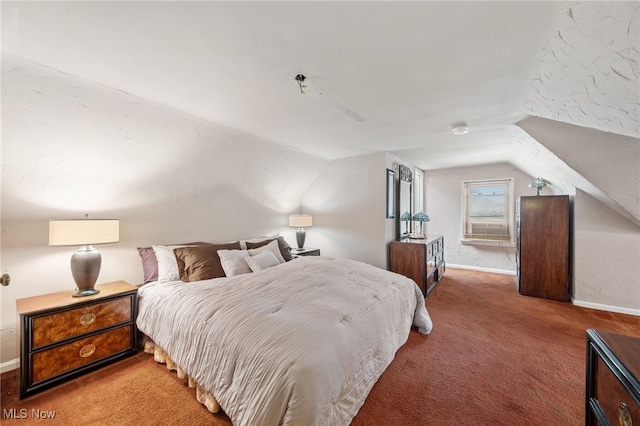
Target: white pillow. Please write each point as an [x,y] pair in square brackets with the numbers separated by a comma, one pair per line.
[233,262]
[167,264]
[272,247]
[263,260]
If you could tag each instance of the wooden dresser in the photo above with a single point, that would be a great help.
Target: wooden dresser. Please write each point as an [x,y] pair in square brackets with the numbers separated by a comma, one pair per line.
[542,246]
[422,260]
[613,373]
[64,336]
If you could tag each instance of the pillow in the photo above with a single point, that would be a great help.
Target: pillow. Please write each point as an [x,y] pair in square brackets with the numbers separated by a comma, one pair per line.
[149,264]
[283,246]
[272,247]
[150,261]
[263,260]
[243,243]
[167,264]
[201,263]
[233,262]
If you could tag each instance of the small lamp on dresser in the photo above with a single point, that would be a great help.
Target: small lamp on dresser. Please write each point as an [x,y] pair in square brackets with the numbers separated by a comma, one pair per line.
[86,261]
[300,221]
[538,184]
[421,218]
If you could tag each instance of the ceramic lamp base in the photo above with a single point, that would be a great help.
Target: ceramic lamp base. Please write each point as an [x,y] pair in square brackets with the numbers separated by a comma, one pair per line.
[300,237]
[85,268]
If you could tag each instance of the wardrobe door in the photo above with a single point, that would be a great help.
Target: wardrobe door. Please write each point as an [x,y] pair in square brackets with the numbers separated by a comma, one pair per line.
[543,244]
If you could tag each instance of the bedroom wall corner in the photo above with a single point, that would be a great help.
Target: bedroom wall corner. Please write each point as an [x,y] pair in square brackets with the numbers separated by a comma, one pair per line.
[348,199]
[70,146]
[606,253]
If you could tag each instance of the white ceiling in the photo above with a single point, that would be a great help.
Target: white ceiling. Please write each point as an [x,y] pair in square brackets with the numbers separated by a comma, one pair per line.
[381,76]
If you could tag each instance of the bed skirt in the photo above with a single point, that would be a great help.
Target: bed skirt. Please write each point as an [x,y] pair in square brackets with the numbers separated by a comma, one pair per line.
[162,357]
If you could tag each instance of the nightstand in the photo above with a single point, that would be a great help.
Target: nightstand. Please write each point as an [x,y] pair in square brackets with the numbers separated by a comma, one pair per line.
[613,379]
[63,336]
[307,251]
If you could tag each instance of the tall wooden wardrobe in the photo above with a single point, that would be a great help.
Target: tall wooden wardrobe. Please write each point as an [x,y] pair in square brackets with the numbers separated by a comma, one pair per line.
[543,246]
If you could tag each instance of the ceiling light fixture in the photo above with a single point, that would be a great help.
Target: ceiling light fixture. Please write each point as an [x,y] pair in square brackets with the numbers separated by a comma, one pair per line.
[300,79]
[460,129]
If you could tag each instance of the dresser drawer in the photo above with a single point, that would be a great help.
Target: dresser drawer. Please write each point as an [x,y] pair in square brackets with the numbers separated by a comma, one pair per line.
[60,359]
[613,398]
[613,389]
[55,327]
[63,337]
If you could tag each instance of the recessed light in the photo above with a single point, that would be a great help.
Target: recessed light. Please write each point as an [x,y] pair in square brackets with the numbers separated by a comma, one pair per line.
[460,129]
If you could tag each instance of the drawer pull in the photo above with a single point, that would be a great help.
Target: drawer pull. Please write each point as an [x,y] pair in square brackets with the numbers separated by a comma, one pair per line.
[87,351]
[87,319]
[624,416]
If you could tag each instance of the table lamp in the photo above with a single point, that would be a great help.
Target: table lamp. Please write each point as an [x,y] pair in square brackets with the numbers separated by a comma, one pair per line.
[300,221]
[86,261]
[421,218]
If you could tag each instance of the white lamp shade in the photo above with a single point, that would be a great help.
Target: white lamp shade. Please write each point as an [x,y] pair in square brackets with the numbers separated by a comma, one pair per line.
[300,220]
[83,232]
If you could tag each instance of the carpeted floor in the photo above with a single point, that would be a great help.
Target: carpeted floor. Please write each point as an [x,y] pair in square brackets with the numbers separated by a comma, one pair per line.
[493,358]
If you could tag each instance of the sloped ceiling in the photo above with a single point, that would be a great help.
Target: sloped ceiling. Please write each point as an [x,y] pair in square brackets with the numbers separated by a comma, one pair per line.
[381,76]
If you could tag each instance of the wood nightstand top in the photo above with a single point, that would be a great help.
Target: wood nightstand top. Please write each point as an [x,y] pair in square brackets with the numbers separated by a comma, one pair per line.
[65,298]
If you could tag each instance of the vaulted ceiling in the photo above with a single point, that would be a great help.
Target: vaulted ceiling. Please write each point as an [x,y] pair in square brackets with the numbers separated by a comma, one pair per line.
[380,76]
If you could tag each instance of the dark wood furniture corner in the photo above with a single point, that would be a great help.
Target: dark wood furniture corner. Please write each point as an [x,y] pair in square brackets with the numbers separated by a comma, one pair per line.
[63,336]
[307,251]
[422,260]
[612,386]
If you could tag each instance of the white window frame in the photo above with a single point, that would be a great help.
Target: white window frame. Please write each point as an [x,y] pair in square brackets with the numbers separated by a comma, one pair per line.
[418,195]
[488,239]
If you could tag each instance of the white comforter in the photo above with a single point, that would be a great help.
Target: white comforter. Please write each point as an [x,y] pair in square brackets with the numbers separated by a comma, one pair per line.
[301,343]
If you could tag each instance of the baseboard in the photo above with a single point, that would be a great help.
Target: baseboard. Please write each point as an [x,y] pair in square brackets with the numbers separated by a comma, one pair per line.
[9,365]
[609,308]
[477,268]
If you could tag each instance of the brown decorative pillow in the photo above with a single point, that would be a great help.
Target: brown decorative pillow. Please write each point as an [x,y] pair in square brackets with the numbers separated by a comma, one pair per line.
[201,263]
[150,261]
[285,248]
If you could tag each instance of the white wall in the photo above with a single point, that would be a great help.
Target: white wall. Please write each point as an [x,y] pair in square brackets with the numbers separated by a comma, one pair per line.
[444,207]
[349,199]
[606,245]
[606,257]
[71,147]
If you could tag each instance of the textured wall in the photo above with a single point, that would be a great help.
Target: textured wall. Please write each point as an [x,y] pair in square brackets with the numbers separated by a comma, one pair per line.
[589,73]
[349,196]
[71,147]
[604,165]
[606,253]
[444,206]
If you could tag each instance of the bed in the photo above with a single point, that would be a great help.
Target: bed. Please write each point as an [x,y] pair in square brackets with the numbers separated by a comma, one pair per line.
[297,342]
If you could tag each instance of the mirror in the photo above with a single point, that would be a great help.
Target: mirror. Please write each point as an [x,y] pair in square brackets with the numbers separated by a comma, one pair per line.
[404,200]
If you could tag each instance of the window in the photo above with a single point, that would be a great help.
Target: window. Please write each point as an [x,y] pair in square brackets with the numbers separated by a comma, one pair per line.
[418,195]
[418,191]
[487,207]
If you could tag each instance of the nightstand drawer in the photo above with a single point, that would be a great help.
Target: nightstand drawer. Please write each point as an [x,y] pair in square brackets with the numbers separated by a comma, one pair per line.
[60,326]
[613,389]
[58,360]
[613,398]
